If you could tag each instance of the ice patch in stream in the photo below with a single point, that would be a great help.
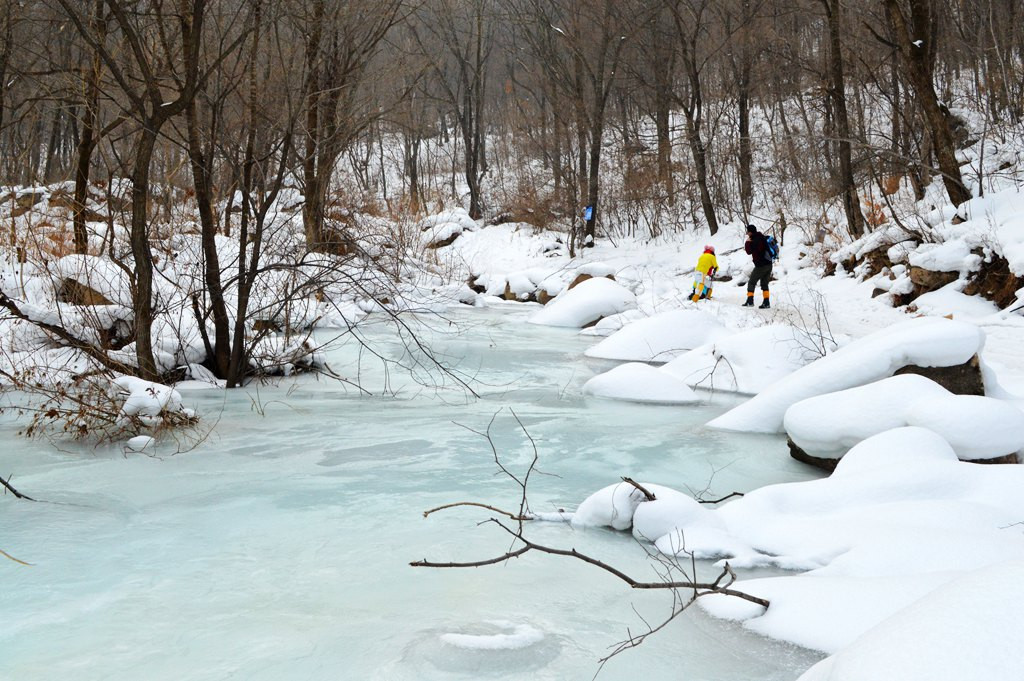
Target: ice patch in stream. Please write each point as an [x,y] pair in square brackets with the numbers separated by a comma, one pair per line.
[521,636]
[488,648]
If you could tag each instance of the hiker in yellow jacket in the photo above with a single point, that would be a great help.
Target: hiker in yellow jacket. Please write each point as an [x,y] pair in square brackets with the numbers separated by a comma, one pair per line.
[707,266]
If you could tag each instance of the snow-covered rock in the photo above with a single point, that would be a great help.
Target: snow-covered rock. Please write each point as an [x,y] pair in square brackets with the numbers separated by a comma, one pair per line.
[660,338]
[95,273]
[976,427]
[147,400]
[909,445]
[924,342]
[638,382]
[585,304]
[140,443]
[749,361]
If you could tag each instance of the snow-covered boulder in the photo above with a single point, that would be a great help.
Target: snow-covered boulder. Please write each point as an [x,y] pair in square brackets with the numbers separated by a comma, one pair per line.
[826,426]
[660,338]
[145,398]
[638,382]
[585,304]
[924,341]
[909,445]
[749,361]
[90,280]
[442,229]
[670,511]
[612,506]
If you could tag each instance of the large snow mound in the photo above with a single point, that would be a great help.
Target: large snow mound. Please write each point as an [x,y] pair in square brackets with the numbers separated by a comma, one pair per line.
[967,629]
[976,427]
[924,341]
[660,338]
[637,382]
[586,303]
[749,361]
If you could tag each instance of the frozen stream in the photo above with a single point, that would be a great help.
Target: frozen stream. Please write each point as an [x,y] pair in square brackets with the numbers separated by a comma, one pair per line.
[279,547]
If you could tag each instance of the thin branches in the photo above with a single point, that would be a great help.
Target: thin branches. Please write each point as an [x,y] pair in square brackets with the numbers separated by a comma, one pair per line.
[672,575]
[16,493]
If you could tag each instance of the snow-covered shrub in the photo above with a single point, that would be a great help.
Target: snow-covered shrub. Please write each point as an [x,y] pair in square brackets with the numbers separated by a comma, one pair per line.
[101,409]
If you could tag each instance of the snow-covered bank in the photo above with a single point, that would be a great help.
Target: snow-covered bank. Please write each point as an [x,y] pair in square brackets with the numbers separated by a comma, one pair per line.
[899,529]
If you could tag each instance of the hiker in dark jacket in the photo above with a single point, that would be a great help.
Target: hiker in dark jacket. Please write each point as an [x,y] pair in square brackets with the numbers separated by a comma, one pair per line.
[757,247]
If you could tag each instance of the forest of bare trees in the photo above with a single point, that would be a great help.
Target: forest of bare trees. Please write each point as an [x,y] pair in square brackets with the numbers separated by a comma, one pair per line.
[655,114]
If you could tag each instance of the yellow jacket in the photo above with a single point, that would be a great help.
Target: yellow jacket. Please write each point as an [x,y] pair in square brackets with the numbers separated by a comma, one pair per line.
[706,263]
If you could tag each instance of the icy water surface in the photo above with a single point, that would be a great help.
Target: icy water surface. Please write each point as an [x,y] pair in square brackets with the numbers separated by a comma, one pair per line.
[279,547]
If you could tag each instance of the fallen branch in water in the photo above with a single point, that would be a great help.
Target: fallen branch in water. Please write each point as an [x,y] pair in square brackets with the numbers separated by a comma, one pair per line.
[674,575]
[10,557]
[513,516]
[704,588]
[15,492]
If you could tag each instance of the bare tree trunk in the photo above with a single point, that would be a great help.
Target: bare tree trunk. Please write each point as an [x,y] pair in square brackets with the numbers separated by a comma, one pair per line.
[915,39]
[837,93]
[87,140]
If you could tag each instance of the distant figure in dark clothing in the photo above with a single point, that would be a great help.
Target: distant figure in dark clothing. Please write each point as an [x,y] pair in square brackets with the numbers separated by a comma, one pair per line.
[757,247]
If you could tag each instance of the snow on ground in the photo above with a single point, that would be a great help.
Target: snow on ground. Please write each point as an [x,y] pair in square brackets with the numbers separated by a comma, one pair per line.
[925,342]
[976,427]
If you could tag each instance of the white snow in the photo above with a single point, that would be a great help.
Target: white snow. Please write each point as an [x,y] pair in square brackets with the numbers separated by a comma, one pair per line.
[900,519]
[748,361]
[964,630]
[638,382]
[660,338]
[924,341]
[148,400]
[586,303]
[976,427]
[518,636]
[950,301]
[140,443]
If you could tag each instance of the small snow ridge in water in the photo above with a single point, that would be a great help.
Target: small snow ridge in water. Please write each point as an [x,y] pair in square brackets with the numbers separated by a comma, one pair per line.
[521,636]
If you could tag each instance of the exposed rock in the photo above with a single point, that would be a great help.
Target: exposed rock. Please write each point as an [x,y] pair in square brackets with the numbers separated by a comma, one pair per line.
[926,281]
[877,261]
[829,464]
[266,325]
[995,282]
[543,297]
[62,199]
[962,379]
[77,293]
[579,280]
[1009,458]
[583,276]
[824,463]
[441,243]
[474,286]
[27,199]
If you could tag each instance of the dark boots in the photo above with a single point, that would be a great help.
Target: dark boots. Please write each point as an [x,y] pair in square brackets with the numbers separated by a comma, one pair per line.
[765,305]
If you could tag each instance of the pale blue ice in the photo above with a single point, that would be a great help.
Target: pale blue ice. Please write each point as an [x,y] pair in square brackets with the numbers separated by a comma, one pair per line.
[279,547]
